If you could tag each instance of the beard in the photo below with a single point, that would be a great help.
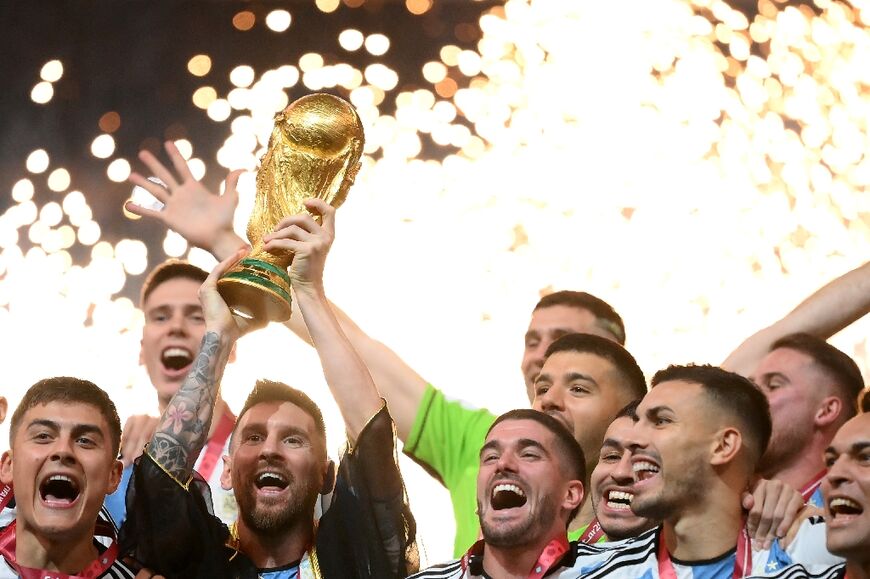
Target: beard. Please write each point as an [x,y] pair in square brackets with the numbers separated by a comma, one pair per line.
[277,516]
[522,533]
[688,487]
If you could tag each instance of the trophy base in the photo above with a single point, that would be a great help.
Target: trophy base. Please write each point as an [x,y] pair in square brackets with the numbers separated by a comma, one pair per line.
[256,289]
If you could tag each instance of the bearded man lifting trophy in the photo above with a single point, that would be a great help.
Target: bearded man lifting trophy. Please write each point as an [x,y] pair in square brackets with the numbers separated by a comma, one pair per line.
[314,151]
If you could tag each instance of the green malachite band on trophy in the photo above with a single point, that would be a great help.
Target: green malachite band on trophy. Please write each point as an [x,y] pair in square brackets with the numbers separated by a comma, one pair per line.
[255,279]
[266,265]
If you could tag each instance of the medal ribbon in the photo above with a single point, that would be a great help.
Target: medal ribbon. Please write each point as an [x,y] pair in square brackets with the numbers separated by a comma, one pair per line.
[96,568]
[6,496]
[742,564]
[215,446]
[810,488]
[550,556]
[593,533]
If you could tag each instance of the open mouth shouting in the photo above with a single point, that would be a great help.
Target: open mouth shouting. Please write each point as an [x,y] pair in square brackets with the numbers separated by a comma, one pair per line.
[59,491]
[843,510]
[176,360]
[507,496]
[271,482]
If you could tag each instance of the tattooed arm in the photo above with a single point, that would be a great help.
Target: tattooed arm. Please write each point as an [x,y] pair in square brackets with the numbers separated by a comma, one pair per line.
[183,428]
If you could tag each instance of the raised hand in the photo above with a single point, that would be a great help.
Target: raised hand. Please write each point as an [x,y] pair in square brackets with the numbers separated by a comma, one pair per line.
[189,208]
[218,317]
[308,240]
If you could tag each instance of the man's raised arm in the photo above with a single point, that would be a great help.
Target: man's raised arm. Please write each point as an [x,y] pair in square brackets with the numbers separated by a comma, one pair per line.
[823,314]
[398,383]
[345,372]
[183,428]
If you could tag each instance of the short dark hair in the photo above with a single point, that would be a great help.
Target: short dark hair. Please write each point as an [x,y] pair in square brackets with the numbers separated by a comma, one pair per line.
[864,401]
[732,393]
[630,374]
[69,390]
[170,269]
[606,317]
[836,364]
[574,461]
[629,410]
[271,391]
[568,446]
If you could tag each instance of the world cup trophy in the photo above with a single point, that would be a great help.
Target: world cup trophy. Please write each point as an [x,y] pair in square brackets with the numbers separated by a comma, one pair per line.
[314,151]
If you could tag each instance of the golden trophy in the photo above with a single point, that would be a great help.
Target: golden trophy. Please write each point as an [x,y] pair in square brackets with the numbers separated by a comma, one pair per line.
[314,151]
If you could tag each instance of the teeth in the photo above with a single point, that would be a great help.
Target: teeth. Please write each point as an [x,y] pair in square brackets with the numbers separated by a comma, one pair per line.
[619,500]
[262,477]
[844,503]
[179,352]
[620,495]
[508,487]
[60,477]
[639,466]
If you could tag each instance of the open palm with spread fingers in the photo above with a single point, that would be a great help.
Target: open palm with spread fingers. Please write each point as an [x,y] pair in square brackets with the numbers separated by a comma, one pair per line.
[189,208]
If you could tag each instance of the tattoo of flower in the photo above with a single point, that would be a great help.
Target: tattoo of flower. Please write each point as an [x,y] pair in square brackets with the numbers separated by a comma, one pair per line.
[177,418]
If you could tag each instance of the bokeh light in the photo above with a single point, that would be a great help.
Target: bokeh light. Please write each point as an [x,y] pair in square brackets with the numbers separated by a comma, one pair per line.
[242,76]
[327,5]
[103,146]
[59,180]
[197,168]
[37,161]
[219,110]
[51,214]
[278,20]
[351,39]
[118,170]
[42,92]
[89,233]
[434,72]
[204,96]
[418,7]
[199,65]
[184,147]
[22,190]
[244,20]
[377,44]
[51,71]
[110,122]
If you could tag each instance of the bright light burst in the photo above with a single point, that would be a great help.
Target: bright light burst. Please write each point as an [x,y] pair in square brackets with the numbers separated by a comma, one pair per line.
[701,171]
